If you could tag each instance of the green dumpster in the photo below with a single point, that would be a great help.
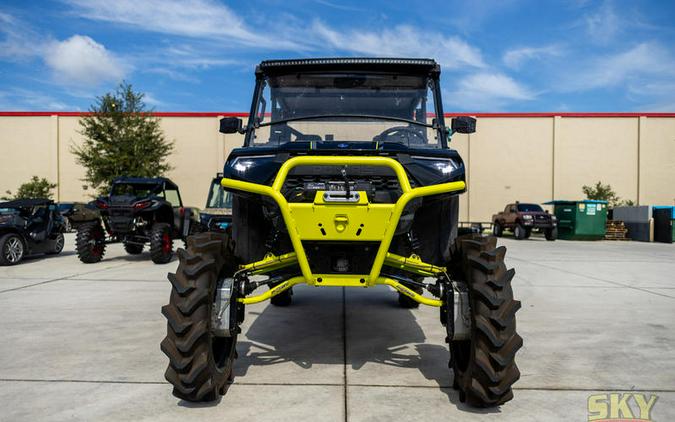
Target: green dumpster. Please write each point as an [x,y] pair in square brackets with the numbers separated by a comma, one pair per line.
[580,220]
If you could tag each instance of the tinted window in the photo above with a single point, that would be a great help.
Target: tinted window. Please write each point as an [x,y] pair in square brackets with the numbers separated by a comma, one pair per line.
[138,190]
[354,106]
[218,197]
[529,208]
[172,197]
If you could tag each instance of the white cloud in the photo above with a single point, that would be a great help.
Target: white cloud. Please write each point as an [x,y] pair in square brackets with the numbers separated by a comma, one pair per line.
[515,57]
[19,42]
[487,91]
[80,60]
[401,41]
[641,63]
[23,99]
[191,18]
[603,25]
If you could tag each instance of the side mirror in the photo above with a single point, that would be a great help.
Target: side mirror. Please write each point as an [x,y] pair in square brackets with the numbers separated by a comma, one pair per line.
[230,125]
[463,124]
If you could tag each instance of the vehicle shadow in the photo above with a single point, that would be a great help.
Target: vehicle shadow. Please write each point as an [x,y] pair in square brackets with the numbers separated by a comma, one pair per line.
[376,329]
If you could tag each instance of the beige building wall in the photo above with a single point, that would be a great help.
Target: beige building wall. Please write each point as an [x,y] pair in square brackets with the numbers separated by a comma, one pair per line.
[509,158]
[26,150]
[588,150]
[657,161]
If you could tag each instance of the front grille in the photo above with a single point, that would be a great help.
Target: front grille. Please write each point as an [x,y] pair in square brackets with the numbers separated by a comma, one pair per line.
[380,189]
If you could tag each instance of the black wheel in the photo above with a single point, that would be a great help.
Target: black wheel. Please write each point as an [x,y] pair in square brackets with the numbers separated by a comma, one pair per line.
[551,233]
[200,362]
[161,243]
[12,249]
[57,245]
[528,233]
[408,303]
[497,229]
[520,232]
[90,242]
[484,366]
[284,298]
[133,248]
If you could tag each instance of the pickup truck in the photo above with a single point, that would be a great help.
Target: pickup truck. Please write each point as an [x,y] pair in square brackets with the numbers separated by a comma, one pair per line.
[522,218]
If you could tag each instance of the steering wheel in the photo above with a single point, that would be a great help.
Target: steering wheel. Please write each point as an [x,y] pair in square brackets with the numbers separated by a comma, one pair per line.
[401,134]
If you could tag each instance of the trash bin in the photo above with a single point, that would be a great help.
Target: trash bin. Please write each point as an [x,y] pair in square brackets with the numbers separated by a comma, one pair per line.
[664,224]
[639,221]
[580,220]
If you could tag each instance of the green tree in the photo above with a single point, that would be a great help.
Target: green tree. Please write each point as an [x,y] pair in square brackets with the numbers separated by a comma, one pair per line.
[121,138]
[35,188]
[602,192]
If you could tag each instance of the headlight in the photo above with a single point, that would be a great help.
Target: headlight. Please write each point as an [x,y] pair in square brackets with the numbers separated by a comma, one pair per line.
[445,165]
[243,164]
[527,217]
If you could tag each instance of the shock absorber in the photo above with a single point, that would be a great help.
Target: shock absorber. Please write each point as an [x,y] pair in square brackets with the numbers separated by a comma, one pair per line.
[272,241]
[414,242]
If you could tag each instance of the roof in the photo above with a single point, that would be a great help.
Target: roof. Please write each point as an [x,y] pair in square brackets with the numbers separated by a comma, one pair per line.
[25,203]
[148,180]
[580,201]
[372,64]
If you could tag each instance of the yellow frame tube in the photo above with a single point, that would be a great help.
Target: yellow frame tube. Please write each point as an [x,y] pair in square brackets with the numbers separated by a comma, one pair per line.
[337,281]
[409,194]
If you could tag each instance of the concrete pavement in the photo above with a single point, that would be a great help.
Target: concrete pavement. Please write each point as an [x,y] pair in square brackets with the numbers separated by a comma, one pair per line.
[81,342]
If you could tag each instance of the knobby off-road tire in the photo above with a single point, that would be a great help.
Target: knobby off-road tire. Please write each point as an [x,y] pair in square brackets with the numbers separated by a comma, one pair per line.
[90,242]
[161,243]
[484,366]
[200,364]
[133,249]
[551,234]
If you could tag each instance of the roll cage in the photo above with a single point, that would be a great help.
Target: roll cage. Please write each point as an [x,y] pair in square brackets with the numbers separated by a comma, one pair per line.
[425,68]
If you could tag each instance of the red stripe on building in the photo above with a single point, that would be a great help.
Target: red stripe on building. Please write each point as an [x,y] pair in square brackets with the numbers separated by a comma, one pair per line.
[241,114]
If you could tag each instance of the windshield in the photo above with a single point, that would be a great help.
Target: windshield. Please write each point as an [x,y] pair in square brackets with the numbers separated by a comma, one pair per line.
[138,190]
[218,197]
[529,208]
[339,107]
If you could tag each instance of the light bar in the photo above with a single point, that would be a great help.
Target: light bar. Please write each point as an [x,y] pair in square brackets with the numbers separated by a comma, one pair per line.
[355,60]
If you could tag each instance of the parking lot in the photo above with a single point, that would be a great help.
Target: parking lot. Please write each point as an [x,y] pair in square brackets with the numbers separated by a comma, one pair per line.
[81,342]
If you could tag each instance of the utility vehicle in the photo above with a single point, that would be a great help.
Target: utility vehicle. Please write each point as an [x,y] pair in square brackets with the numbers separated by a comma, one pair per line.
[217,216]
[345,179]
[137,211]
[28,227]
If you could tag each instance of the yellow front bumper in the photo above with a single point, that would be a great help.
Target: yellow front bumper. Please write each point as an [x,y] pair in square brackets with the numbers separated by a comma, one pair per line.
[357,221]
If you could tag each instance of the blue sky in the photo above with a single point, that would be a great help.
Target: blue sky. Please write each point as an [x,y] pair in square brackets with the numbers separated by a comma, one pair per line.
[199,55]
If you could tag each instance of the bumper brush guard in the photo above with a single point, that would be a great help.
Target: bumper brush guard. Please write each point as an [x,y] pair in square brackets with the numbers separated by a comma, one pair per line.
[354,219]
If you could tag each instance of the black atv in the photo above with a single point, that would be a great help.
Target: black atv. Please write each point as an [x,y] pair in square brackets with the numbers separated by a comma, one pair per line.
[345,179]
[28,227]
[217,216]
[137,211]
